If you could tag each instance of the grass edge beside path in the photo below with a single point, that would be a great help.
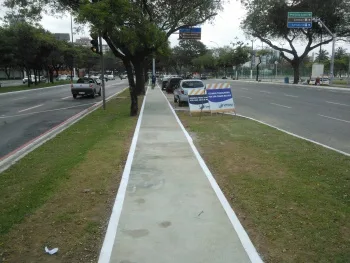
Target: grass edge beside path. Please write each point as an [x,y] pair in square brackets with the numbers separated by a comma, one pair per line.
[32,86]
[61,194]
[291,196]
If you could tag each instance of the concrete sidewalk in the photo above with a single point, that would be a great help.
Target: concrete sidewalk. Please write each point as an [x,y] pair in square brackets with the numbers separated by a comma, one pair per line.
[167,210]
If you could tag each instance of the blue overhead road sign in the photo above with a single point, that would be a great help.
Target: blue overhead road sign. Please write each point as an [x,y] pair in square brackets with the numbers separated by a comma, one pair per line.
[190,33]
[299,25]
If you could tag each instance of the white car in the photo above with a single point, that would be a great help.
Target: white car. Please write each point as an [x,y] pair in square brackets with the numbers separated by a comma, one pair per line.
[181,92]
[111,77]
[32,79]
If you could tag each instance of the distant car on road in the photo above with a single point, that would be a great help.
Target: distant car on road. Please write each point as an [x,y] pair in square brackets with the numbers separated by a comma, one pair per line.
[172,82]
[86,86]
[111,77]
[123,76]
[31,80]
[62,77]
[204,76]
[224,77]
[181,92]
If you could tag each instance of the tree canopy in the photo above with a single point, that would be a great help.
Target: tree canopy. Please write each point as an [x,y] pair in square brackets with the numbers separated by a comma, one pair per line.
[267,20]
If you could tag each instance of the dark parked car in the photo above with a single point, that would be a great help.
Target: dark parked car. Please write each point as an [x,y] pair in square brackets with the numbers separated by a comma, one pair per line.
[204,76]
[172,83]
[164,83]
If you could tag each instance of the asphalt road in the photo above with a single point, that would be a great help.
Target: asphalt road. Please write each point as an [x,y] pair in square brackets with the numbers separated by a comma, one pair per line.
[317,114]
[26,115]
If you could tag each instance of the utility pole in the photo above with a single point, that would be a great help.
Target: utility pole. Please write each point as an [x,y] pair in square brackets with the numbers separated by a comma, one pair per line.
[71,30]
[252,60]
[103,72]
[334,36]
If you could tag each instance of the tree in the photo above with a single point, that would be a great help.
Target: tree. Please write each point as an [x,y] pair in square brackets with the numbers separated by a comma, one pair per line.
[206,62]
[340,53]
[322,56]
[134,30]
[267,20]
[183,54]
[240,54]
[7,56]
[259,54]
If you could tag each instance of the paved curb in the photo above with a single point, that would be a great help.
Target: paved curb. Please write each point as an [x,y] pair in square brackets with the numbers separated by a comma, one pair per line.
[289,85]
[16,155]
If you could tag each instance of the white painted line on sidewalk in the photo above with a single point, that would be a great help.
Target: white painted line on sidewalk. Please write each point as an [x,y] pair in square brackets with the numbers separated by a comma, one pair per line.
[66,97]
[246,97]
[264,91]
[337,103]
[242,234]
[36,106]
[20,98]
[293,96]
[281,105]
[111,232]
[324,116]
[295,135]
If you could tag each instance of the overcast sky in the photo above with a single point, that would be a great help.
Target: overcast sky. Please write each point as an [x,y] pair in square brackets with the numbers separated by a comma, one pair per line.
[224,29]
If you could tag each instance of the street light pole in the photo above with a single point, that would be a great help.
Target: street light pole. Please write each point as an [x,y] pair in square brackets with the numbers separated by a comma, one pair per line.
[71,30]
[334,36]
[251,62]
[103,72]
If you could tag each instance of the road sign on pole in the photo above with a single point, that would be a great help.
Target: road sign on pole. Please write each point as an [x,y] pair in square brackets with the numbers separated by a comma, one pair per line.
[190,33]
[299,20]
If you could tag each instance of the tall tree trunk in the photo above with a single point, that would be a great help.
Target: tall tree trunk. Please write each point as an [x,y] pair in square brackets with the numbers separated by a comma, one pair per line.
[296,69]
[145,69]
[50,71]
[134,107]
[29,77]
[140,78]
[258,69]
[7,72]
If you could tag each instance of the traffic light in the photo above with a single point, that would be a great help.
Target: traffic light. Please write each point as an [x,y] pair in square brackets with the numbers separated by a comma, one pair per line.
[94,47]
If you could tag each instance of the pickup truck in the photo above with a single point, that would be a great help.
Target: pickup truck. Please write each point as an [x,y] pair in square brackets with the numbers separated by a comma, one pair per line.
[86,87]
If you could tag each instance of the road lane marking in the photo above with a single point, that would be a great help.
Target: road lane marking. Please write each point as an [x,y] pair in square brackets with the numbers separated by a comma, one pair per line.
[66,97]
[293,96]
[31,108]
[245,88]
[36,112]
[246,97]
[264,91]
[324,116]
[281,105]
[337,103]
[20,98]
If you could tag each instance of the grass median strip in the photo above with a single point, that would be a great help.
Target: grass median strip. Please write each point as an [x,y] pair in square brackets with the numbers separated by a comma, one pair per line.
[61,194]
[292,196]
[32,86]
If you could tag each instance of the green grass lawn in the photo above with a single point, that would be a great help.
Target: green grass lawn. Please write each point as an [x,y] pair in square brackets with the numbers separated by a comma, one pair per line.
[32,86]
[340,82]
[61,194]
[292,196]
